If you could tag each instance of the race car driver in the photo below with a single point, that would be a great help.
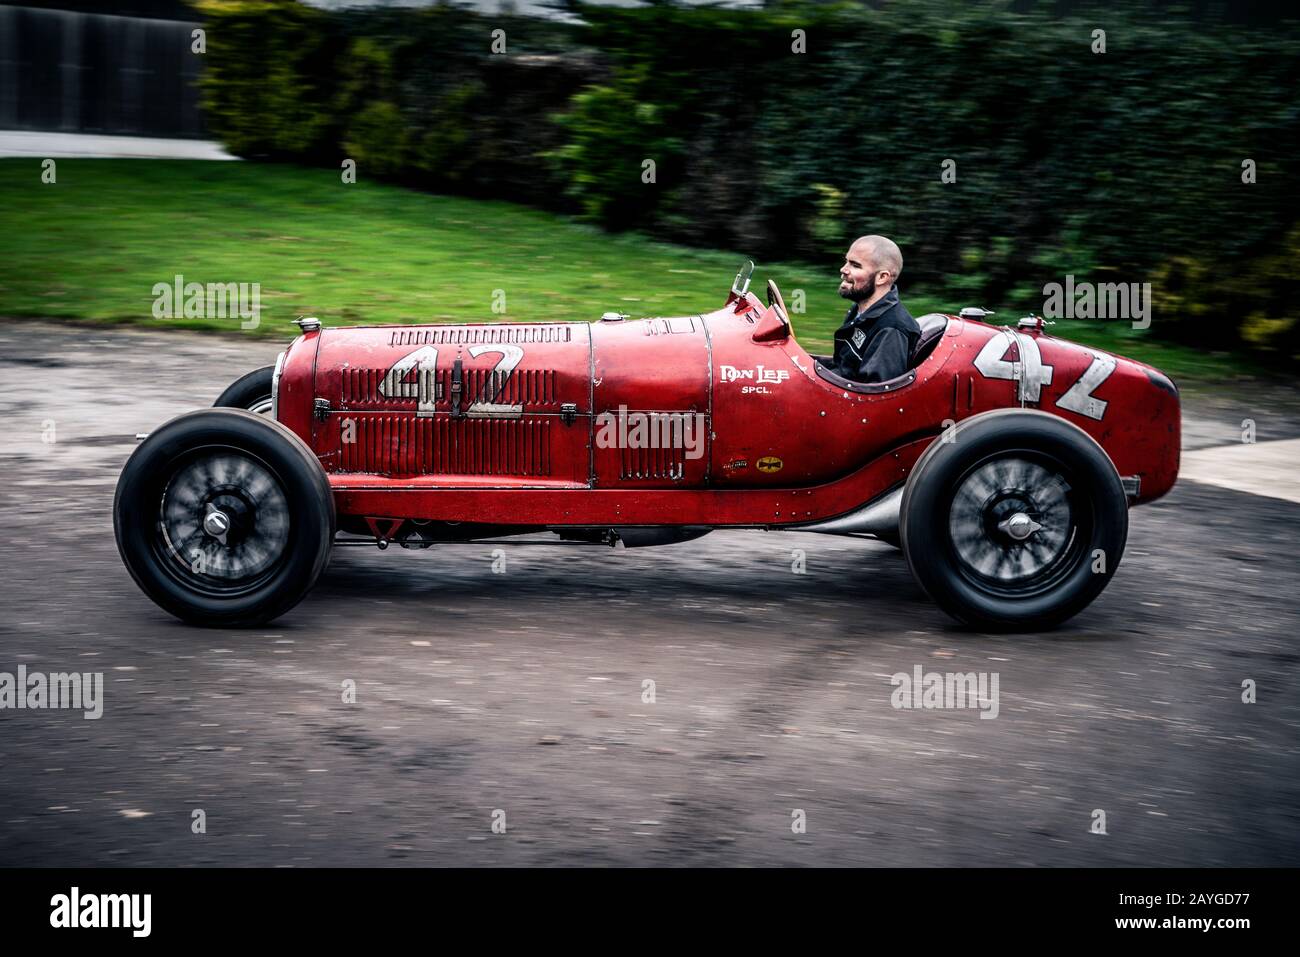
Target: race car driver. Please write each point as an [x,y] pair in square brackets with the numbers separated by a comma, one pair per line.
[876,339]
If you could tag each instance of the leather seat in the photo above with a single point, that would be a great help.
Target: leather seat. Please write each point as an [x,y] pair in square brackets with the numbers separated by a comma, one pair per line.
[932,326]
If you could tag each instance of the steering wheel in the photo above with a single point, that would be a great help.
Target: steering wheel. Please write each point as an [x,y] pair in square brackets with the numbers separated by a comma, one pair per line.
[774,299]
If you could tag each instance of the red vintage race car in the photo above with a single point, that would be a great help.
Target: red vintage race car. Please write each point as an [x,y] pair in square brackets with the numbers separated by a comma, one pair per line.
[1003,462]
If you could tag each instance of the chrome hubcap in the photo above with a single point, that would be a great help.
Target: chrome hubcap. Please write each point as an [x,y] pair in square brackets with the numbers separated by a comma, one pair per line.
[1011,521]
[261,406]
[216,524]
[1019,526]
[224,518]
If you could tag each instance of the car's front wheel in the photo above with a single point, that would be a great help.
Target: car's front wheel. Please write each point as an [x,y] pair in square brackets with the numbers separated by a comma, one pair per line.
[1014,520]
[224,518]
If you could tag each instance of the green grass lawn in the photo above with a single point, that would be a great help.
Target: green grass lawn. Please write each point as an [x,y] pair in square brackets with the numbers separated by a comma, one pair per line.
[92,246]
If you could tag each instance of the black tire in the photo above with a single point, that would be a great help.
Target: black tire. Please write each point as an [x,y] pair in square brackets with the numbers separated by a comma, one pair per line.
[251,392]
[1002,524]
[231,468]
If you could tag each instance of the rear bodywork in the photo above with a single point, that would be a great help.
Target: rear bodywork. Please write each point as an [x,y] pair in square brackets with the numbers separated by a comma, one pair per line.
[501,424]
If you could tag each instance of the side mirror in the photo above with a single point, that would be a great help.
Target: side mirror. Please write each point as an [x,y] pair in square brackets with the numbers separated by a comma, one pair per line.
[741,285]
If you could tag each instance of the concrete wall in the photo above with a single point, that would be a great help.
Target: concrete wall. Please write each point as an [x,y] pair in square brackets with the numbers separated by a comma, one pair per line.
[79,72]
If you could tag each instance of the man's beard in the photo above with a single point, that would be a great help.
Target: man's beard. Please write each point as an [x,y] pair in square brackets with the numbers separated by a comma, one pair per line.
[859,293]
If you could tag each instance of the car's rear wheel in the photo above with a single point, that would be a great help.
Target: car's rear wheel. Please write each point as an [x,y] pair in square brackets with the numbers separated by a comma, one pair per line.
[251,392]
[224,518]
[1015,520]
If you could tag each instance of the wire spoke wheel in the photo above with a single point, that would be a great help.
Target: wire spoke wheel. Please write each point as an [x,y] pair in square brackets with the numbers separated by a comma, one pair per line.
[223,520]
[1016,522]
[1012,522]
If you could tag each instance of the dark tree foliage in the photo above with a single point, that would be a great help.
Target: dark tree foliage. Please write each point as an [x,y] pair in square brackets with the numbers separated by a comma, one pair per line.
[787,130]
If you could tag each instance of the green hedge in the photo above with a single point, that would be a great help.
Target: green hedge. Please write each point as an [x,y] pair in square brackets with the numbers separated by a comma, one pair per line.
[412,95]
[1119,166]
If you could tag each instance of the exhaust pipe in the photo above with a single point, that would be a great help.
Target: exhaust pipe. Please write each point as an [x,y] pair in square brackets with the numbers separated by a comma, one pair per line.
[881,514]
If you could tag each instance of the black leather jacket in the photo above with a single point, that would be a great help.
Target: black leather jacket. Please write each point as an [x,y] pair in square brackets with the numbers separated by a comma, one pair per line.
[878,344]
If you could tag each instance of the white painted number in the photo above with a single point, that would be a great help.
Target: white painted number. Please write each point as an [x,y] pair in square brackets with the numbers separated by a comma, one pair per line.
[1029,369]
[486,406]
[399,383]
[1079,398]
[424,386]
[1032,373]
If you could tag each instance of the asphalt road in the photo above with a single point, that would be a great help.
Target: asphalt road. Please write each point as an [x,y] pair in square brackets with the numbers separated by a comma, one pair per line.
[522,692]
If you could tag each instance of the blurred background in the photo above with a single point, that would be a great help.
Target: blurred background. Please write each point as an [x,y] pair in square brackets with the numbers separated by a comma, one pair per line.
[505,145]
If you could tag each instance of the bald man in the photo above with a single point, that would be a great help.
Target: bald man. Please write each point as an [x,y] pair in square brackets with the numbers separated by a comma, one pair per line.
[876,340]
